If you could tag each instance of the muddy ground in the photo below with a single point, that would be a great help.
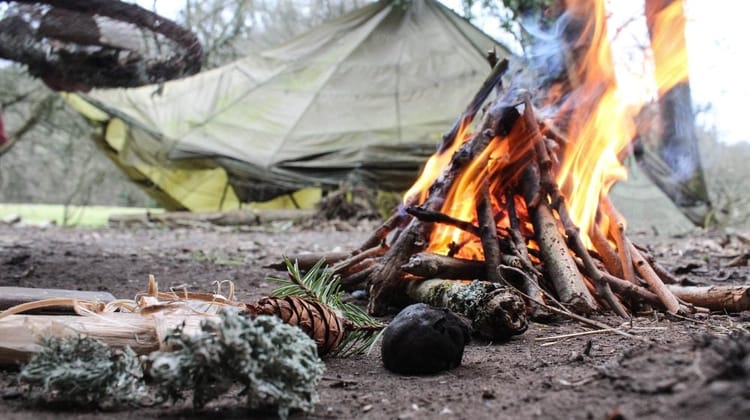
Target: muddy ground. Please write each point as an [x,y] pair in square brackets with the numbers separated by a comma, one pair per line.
[689,369]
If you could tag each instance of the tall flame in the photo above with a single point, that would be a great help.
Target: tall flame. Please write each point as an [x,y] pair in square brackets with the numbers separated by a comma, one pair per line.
[602,121]
[666,22]
[601,125]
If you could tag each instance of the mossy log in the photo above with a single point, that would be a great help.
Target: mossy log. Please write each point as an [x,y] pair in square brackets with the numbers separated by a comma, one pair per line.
[496,312]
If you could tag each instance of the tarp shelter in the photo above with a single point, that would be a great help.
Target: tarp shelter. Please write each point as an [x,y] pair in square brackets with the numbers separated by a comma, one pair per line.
[363,98]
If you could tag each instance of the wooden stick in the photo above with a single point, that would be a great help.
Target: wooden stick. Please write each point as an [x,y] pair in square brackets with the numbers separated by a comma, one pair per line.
[715,298]
[517,240]
[617,231]
[654,282]
[380,233]
[438,217]
[635,292]
[358,280]
[558,264]
[144,334]
[430,266]
[348,266]
[487,228]
[494,79]
[609,256]
[307,260]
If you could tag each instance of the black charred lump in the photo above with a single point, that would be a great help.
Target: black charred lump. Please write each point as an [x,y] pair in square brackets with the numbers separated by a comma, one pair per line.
[422,340]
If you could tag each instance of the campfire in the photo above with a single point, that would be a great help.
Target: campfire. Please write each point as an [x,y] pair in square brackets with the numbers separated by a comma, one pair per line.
[520,200]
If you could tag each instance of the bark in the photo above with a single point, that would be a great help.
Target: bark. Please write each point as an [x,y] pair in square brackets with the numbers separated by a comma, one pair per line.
[715,298]
[431,266]
[558,264]
[496,312]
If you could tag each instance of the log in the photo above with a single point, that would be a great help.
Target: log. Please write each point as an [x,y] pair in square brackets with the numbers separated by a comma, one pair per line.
[488,236]
[227,218]
[560,267]
[714,298]
[572,232]
[495,311]
[12,296]
[617,231]
[429,265]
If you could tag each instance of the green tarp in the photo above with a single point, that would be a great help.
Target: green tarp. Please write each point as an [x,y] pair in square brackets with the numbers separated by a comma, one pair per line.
[363,98]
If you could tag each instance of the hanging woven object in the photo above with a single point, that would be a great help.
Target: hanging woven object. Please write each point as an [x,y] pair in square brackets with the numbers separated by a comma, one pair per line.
[74,45]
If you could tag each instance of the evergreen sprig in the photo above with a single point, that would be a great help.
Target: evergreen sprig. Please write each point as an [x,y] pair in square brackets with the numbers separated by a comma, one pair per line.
[321,285]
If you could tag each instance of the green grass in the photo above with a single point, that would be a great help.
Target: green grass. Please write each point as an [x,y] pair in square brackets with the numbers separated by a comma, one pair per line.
[90,216]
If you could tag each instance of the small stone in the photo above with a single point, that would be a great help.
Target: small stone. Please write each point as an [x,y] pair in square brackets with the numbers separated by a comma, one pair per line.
[11,219]
[446,411]
[488,395]
[423,340]
[367,408]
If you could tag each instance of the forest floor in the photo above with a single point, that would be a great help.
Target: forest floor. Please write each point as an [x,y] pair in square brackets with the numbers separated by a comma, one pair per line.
[675,368]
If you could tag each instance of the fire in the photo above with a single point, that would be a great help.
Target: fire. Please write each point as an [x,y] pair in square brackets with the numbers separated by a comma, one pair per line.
[435,165]
[668,43]
[600,126]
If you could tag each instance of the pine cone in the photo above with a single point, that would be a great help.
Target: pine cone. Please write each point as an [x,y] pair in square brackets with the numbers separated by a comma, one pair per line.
[316,319]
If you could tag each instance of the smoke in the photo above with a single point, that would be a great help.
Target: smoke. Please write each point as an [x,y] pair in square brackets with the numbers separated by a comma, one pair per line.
[545,51]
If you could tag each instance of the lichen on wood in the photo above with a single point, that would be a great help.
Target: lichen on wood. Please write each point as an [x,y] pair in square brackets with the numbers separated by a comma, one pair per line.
[496,312]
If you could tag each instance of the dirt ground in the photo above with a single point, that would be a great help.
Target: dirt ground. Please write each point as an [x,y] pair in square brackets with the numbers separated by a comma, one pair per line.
[688,369]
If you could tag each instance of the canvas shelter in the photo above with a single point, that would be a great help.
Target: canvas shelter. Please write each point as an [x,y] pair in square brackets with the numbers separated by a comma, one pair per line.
[363,98]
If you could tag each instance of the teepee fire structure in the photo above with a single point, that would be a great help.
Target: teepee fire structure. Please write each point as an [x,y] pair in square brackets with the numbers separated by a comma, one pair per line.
[521,200]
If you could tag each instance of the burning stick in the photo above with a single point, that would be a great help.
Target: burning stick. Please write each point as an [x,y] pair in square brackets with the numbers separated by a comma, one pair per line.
[488,234]
[558,264]
[434,266]
[437,217]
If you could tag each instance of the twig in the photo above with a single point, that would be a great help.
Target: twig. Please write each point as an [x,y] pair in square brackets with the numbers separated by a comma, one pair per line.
[609,256]
[617,231]
[573,335]
[487,229]
[438,217]
[344,267]
[430,265]
[657,286]
[377,237]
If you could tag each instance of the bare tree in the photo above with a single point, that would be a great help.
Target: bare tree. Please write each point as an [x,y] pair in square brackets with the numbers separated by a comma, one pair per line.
[230,29]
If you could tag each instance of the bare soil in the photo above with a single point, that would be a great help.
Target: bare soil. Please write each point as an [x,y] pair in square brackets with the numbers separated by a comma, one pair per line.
[689,369]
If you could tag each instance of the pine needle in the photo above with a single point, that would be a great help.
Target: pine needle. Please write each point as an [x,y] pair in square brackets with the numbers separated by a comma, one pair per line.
[321,285]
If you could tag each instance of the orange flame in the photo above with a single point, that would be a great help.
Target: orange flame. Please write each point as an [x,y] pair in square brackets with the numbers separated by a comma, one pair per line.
[602,126]
[603,123]
[666,20]
[435,166]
